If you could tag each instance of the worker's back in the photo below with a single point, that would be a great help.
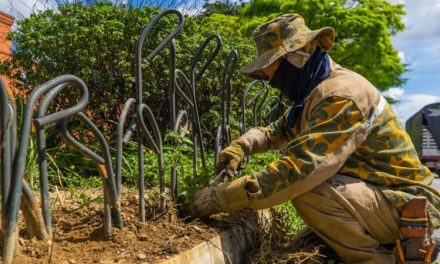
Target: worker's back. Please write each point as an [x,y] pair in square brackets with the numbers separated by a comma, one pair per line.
[387,158]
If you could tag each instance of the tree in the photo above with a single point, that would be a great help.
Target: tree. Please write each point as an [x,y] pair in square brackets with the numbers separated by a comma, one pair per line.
[193,7]
[185,5]
[363,31]
[219,7]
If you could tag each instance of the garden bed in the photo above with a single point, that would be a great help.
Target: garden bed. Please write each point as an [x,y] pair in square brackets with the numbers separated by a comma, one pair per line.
[77,218]
[79,237]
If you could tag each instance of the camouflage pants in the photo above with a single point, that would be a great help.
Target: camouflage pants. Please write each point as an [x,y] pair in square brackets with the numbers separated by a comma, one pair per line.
[353,217]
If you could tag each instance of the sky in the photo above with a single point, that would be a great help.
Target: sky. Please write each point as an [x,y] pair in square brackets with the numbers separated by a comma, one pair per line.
[25,7]
[418,46]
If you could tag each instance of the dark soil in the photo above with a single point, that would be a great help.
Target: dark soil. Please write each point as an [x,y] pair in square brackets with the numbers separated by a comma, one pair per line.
[79,237]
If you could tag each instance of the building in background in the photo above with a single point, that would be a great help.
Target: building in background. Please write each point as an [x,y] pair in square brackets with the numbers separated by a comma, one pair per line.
[6,22]
[424,130]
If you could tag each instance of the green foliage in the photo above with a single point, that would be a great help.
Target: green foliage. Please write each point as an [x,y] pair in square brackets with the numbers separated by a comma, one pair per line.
[221,7]
[32,164]
[68,168]
[93,42]
[96,43]
[72,169]
[363,32]
[259,161]
[183,5]
[179,157]
[290,220]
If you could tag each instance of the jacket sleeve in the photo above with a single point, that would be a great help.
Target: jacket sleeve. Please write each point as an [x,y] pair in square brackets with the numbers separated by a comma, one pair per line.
[335,128]
[261,139]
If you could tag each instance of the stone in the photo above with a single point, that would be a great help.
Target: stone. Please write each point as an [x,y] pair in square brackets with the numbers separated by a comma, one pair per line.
[21,241]
[141,256]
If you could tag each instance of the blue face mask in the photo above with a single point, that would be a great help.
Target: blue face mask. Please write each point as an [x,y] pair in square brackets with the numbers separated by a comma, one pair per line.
[297,83]
[286,78]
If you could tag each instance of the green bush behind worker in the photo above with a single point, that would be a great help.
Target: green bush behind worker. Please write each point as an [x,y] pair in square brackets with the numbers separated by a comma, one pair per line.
[349,166]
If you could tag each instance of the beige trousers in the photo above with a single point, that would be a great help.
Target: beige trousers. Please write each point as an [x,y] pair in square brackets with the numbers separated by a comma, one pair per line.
[353,217]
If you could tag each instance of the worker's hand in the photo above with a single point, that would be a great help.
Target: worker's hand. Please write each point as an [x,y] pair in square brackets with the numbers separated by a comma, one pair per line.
[204,202]
[230,158]
[225,197]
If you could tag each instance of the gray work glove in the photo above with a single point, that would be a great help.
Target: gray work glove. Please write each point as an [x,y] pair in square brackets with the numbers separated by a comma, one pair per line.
[225,197]
[204,203]
[230,158]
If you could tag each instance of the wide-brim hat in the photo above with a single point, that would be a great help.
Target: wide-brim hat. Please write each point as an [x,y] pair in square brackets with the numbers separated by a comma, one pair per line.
[284,34]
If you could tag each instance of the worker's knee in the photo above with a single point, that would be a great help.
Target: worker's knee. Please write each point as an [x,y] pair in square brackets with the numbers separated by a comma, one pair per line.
[344,199]
[353,217]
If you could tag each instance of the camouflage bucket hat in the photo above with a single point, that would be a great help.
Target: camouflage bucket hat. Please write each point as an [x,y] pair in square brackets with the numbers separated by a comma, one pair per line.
[280,36]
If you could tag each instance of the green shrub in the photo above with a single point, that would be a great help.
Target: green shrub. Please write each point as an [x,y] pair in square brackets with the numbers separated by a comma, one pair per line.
[97,43]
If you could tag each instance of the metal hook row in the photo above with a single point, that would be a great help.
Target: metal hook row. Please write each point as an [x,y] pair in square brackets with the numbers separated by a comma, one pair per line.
[181,86]
[142,122]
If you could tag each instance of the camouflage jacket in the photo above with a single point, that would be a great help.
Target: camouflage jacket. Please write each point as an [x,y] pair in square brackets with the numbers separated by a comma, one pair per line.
[321,144]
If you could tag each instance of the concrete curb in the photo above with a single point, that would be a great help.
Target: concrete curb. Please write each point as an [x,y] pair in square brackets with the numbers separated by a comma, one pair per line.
[231,246]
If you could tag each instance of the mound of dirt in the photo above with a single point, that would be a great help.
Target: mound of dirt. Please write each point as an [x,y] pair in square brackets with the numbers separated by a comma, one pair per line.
[79,238]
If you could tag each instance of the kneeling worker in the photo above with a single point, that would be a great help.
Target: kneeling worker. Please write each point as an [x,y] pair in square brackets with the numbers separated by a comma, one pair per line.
[349,168]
